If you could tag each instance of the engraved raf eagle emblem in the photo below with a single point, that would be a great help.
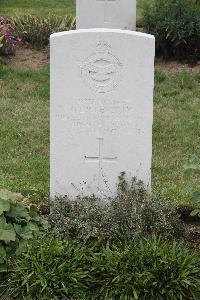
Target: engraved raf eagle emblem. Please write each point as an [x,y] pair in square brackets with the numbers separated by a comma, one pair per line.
[102,69]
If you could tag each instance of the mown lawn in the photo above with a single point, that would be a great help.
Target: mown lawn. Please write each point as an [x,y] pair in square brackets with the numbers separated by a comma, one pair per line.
[176,132]
[24,134]
[43,7]
[37,7]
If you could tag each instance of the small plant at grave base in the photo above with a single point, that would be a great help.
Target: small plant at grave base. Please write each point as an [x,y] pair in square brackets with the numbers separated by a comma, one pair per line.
[79,219]
[8,40]
[18,224]
[193,167]
[132,211]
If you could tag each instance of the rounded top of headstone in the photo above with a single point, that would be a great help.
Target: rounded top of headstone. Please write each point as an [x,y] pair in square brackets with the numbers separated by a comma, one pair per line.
[103,30]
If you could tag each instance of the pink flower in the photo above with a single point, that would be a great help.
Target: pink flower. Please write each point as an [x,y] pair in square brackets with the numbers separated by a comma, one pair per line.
[4,20]
[6,29]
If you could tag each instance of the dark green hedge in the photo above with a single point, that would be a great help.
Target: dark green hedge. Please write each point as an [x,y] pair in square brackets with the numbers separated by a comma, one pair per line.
[176,26]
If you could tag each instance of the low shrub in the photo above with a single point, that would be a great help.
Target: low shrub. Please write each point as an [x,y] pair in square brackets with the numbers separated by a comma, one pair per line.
[18,224]
[132,211]
[146,269]
[176,26]
[79,219]
[36,30]
[8,40]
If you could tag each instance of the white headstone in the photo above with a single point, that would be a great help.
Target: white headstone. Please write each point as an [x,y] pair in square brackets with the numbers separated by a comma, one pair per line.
[101,110]
[106,14]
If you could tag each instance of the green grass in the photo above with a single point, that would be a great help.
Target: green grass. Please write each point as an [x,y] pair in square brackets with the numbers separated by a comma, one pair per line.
[43,7]
[24,135]
[176,132]
[37,7]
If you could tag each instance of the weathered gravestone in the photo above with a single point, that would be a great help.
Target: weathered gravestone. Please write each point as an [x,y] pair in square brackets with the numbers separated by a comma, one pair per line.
[106,14]
[101,109]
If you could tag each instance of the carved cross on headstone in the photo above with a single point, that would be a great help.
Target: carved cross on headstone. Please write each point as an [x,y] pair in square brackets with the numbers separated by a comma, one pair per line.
[100,158]
[106,8]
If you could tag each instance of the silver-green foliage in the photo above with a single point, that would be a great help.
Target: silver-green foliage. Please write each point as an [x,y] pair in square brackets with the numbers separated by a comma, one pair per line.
[132,211]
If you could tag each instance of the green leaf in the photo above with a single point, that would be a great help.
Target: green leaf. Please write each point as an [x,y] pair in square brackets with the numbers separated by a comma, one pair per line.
[18,228]
[22,247]
[2,254]
[33,212]
[195,212]
[9,196]
[44,223]
[7,232]
[26,232]
[4,206]
[33,227]
[192,168]
[135,294]
[1,41]
[19,212]
[196,196]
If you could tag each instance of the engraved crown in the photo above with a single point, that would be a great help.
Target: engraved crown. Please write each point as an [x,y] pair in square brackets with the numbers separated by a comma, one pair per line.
[102,47]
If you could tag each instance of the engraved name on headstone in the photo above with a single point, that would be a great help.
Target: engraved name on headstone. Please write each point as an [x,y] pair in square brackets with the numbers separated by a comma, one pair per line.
[106,14]
[101,110]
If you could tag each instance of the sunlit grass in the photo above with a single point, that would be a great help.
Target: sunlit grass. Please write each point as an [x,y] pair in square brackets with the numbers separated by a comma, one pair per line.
[59,7]
[24,134]
[37,7]
[176,132]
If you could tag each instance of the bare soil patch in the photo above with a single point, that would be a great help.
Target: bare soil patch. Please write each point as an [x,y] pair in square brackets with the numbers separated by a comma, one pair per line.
[193,229]
[29,58]
[177,66]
